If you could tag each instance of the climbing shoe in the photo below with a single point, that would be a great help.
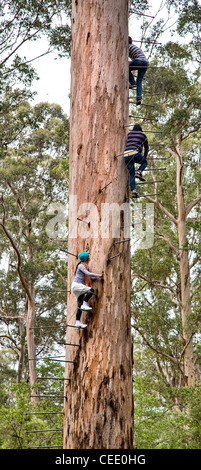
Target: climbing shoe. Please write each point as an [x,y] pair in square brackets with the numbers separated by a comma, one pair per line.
[134,194]
[79,324]
[85,306]
[138,102]
[139,175]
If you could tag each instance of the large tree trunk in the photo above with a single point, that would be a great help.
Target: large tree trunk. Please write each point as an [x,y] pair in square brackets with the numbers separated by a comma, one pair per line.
[189,360]
[99,404]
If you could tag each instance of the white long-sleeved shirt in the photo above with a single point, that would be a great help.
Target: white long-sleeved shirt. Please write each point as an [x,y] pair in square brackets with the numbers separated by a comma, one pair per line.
[80,274]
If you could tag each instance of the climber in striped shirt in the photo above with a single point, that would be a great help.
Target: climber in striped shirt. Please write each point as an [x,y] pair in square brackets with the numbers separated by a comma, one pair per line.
[136,140]
[138,60]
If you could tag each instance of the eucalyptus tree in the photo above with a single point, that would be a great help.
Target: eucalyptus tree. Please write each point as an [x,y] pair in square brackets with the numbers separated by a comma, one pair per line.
[99,407]
[33,176]
[171,267]
[24,21]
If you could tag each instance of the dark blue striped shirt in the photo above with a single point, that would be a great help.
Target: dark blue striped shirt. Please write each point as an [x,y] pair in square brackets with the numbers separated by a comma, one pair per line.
[136,140]
[135,52]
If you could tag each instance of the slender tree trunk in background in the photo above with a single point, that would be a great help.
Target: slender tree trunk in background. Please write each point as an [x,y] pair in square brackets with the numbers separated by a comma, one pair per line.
[31,346]
[189,360]
[28,287]
[31,310]
[99,404]
[21,324]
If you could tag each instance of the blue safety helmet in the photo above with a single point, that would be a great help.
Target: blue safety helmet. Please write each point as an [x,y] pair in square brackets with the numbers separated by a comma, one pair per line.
[84,256]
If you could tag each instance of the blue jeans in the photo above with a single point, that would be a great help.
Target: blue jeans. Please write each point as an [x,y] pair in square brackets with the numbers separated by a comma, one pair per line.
[130,161]
[141,72]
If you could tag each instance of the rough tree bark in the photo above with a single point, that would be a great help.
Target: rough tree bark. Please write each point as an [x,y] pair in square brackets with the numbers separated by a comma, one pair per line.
[99,404]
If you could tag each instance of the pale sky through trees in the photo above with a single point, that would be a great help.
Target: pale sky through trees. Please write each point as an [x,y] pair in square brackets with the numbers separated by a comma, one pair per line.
[54,73]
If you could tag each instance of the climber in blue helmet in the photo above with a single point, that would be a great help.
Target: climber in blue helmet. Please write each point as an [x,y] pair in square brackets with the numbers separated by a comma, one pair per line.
[81,286]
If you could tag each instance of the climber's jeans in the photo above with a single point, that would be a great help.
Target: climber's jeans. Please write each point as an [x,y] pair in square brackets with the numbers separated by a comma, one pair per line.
[141,72]
[130,161]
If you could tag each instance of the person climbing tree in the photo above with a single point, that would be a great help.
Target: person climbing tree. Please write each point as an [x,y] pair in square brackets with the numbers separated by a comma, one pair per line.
[136,140]
[80,289]
[139,62]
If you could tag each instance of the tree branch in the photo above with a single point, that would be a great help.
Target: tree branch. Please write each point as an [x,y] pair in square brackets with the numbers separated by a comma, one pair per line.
[162,286]
[169,243]
[9,317]
[11,339]
[186,345]
[162,208]
[162,353]
[19,261]
[192,204]
[175,154]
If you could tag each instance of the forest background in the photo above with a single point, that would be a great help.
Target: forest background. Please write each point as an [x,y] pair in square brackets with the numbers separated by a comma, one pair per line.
[34,176]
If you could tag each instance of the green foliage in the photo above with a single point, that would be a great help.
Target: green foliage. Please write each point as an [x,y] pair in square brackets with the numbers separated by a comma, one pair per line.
[166,416]
[159,422]
[7,373]
[190,18]
[33,173]
[28,20]
[60,38]
[139,5]
[188,23]
[167,413]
